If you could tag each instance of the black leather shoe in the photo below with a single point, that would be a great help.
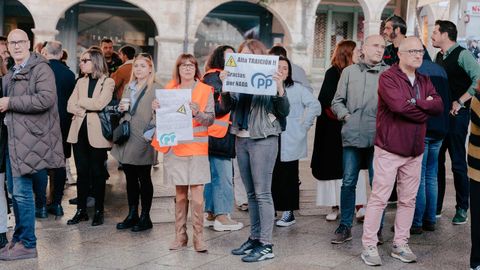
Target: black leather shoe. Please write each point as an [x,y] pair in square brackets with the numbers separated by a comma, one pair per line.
[80,215]
[73,201]
[3,240]
[143,224]
[41,212]
[56,209]
[97,218]
[131,220]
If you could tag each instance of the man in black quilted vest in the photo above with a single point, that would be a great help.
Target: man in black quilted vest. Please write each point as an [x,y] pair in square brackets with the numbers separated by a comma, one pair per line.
[463,72]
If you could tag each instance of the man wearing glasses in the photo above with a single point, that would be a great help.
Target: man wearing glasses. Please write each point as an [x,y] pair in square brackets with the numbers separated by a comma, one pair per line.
[406,99]
[463,72]
[34,141]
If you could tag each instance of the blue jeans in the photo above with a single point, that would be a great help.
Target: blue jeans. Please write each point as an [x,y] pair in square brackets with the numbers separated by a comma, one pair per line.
[21,189]
[353,159]
[426,204]
[256,159]
[219,192]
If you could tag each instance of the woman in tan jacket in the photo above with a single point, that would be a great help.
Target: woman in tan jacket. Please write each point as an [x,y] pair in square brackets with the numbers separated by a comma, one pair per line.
[136,155]
[91,94]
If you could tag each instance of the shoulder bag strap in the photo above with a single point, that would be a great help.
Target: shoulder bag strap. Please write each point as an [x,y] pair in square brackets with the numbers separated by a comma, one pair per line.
[134,108]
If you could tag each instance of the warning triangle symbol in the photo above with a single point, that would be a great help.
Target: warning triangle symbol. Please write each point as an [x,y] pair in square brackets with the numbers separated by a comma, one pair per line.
[182,110]
[231,62]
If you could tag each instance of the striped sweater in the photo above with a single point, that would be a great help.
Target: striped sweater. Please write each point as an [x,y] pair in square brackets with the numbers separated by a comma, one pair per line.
[474,142]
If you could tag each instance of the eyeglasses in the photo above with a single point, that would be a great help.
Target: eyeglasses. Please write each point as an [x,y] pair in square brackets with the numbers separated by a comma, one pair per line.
[187,66]
[85,60]
[414,52]
[18,42]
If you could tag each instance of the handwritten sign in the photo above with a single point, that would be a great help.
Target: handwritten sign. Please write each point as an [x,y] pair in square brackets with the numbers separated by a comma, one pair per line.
[250,74]
[174,117]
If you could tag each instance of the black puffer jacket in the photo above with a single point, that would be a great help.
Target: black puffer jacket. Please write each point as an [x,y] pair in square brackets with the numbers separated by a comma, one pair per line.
[225,146]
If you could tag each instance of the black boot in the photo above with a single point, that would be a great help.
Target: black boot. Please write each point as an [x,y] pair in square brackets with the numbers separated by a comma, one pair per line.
[80,215]
[55,209]
[41,212]
[130,220]
[143,224]
[97,218]
[3,240]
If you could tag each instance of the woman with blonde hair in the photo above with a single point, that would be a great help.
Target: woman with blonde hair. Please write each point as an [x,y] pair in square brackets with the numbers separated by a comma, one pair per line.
[186,164]
[91,94]
[136,155]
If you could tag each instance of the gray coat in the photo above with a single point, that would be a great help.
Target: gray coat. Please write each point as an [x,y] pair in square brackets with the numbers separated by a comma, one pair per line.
[357,96]
[34,136]
[137,150]
[304,108]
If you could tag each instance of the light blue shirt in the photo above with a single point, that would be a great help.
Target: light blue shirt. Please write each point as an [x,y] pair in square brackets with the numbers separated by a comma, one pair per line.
[17,68]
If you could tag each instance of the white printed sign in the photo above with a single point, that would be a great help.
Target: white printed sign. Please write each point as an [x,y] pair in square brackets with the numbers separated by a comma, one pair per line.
[250,74]
[174,117]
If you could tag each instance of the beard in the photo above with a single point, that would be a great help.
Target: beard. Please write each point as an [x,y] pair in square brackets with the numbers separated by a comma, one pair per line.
[392,36]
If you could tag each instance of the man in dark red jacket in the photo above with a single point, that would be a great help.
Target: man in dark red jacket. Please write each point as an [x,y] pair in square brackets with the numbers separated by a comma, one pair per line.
[406,99]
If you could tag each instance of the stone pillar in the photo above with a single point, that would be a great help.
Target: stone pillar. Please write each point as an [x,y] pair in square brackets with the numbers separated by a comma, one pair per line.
[42,35]
[371,27]
[299,55]
[411,17]
[169,48]
[328,36]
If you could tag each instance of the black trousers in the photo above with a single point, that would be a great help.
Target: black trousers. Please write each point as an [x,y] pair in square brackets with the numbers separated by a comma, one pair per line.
[475,223]
[139,184]
[286,185]
[90,170]
[454,142]
[59,177]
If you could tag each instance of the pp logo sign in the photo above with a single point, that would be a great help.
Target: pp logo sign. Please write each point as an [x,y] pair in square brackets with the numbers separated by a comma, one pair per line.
[168,139]
[261,81]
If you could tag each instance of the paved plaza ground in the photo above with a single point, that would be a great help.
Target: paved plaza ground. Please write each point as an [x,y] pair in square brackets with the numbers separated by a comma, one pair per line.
[306,245]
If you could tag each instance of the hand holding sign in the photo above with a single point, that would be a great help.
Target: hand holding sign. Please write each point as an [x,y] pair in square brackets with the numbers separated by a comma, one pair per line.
[250,74]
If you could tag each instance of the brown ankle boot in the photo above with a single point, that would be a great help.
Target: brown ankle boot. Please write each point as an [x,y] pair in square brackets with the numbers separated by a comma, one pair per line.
[197,222]
[181,237]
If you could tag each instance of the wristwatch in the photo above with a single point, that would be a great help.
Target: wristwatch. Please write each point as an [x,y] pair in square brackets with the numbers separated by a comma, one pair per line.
[462,104]
[413,101]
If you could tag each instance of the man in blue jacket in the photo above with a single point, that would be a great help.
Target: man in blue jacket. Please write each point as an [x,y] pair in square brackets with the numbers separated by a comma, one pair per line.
[437,128]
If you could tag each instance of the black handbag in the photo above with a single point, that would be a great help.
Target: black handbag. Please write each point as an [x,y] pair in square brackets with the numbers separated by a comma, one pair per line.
[122,132]
[109,118]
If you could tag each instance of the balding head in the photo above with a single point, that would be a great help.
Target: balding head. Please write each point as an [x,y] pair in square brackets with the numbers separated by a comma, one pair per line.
[410,53]
[53,50]
[18,45]
[373,48]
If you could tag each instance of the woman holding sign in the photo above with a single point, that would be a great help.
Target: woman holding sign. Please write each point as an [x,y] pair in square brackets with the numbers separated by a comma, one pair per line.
[136,155]
[256,121]
[186,164]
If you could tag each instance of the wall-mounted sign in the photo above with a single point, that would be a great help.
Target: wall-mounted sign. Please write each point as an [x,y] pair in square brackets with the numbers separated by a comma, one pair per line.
[473,8]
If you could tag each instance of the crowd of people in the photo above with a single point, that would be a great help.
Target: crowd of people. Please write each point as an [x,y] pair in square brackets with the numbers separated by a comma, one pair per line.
[386,113]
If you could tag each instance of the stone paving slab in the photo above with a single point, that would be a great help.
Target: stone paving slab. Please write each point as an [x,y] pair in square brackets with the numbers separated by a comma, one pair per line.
[306,245]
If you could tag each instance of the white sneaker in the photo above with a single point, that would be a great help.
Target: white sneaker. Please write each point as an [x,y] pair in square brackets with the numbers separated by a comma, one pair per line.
[288,219]
[10,220]
[360,215]
[403,253]
[333,215]
[231,225]
[370,256]
[208,222]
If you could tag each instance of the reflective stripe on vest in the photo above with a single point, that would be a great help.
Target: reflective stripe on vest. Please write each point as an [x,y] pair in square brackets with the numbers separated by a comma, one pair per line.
[220,126]
[199,145]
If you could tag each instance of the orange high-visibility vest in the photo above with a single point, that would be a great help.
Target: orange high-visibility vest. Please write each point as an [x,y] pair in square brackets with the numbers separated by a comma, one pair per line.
[220,126]
[199,145]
